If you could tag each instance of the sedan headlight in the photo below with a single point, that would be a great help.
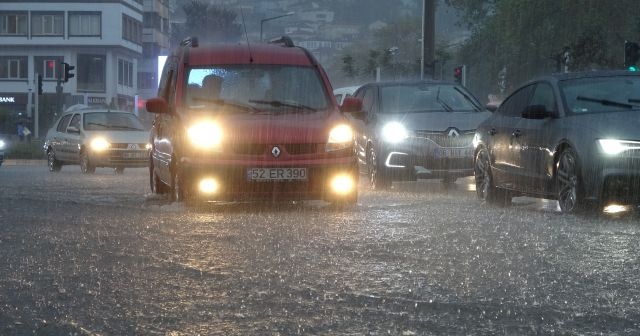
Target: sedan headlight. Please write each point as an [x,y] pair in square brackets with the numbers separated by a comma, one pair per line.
[2,144]
[394,132]
[614,146]
[340,137]
[205,135]
[99,144]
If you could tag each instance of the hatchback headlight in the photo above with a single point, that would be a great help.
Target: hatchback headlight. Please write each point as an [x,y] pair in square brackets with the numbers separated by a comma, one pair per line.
[614,146]
[340,137]
[99,144]
[205,135]
[394,132]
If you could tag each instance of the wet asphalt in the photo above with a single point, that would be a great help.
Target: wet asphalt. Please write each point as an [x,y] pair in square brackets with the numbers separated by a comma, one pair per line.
[98,255]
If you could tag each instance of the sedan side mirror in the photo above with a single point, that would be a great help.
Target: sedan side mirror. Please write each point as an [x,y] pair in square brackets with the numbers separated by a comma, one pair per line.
[536,112]
[157,105]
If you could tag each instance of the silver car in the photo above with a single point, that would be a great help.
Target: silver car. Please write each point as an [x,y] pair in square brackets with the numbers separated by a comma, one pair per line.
[408,130]
[97,137]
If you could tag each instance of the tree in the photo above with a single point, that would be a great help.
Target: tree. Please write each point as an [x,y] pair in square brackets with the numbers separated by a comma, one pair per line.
[527,36]
[210,23]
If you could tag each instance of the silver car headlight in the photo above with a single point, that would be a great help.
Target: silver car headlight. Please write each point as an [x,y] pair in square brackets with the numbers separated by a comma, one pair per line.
[394,132]
[2,144]
[615,146]
[99,144]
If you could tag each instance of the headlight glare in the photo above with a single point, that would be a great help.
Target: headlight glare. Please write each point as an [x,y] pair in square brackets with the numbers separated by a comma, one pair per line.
[2,144]
[614,146]
[99,144]
[205,135]
[394,132]
[340,137]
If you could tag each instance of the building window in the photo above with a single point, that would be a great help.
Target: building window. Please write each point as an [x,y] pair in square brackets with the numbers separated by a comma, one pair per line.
[48,66]
[91,73]
[85,24]
[13,67]
[125,73]
[147,80]
[47,24]
[13,23]
[131,29]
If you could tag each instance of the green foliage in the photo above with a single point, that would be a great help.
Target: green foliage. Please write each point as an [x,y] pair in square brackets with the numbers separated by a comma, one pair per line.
[210,23]
[25,150]
[528,37]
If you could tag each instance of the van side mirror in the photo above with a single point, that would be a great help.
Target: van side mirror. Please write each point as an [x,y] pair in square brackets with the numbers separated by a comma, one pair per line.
[157,105]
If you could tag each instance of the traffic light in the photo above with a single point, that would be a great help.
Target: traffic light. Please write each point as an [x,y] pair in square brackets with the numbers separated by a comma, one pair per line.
[39,84]
[631,55]
[67,71]
[458,74]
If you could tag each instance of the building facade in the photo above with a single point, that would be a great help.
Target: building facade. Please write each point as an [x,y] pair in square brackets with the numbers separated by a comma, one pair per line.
[102,39]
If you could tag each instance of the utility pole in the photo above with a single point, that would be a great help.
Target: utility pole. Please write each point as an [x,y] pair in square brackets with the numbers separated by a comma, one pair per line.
[36,112]
[428,38]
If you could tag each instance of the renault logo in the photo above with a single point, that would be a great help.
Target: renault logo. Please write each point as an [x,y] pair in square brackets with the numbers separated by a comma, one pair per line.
[275,151]
[453,133]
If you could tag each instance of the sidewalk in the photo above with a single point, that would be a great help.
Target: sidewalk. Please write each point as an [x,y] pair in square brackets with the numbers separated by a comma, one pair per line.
[24,162]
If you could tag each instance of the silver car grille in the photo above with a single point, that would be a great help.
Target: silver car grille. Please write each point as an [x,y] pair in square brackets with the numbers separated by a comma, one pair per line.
[443,139]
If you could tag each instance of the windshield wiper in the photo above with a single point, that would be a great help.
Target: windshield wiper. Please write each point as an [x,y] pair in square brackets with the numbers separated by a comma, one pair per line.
[127,127]
[223,102]
[278,103]
[99,124]
[466,96]
[442,103]
[607,102]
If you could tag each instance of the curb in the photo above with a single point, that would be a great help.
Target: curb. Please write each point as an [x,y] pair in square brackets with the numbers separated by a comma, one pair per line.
[11,162]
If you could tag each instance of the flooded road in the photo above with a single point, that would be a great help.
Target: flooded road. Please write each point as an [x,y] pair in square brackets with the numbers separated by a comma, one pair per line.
[97,255]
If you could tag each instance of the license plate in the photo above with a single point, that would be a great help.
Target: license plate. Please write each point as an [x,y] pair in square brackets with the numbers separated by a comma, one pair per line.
[134,155]
[276,174]
[454,152]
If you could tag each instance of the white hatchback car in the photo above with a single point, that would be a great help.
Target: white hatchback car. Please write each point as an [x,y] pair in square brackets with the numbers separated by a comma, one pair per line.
[97,137]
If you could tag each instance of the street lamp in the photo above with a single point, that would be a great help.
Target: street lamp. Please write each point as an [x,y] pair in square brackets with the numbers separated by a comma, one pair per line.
[272,18]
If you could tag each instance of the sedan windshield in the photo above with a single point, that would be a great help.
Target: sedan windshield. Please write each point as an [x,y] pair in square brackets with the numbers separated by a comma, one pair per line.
[253,88]
[601,94]
[426,98]
[100,121]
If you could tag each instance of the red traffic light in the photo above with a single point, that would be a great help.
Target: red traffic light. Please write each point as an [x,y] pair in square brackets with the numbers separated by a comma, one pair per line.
[51,64]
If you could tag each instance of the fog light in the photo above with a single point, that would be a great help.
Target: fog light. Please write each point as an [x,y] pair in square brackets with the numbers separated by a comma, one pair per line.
[342,184]
[208,186]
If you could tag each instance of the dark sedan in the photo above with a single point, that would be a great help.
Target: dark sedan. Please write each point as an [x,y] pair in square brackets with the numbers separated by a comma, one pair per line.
[408,130]
[571,137]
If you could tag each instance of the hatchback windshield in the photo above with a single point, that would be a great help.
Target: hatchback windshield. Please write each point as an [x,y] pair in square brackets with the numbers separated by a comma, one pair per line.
[100,121]
[426,98]
[601,95]
[257,87]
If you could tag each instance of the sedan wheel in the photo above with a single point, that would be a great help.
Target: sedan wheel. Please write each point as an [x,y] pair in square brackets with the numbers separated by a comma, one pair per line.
[52,162]
[570,196]
[377,177]
[157,186]
[485,185]
[178,192]
[85,164]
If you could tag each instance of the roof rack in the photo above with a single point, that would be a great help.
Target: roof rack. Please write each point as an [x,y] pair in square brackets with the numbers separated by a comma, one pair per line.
[284,40]
[190,41]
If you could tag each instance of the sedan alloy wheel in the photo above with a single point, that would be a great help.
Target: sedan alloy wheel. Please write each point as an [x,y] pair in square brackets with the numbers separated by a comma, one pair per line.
[85,164]
[568,182]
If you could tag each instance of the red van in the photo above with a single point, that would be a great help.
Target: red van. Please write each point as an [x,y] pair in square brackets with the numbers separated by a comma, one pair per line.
[249,122]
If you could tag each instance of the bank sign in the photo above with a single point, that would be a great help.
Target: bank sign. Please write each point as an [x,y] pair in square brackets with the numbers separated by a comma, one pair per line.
[7,99]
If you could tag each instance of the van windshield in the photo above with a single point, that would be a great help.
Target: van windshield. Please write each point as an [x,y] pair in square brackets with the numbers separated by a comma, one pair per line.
[256,88]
